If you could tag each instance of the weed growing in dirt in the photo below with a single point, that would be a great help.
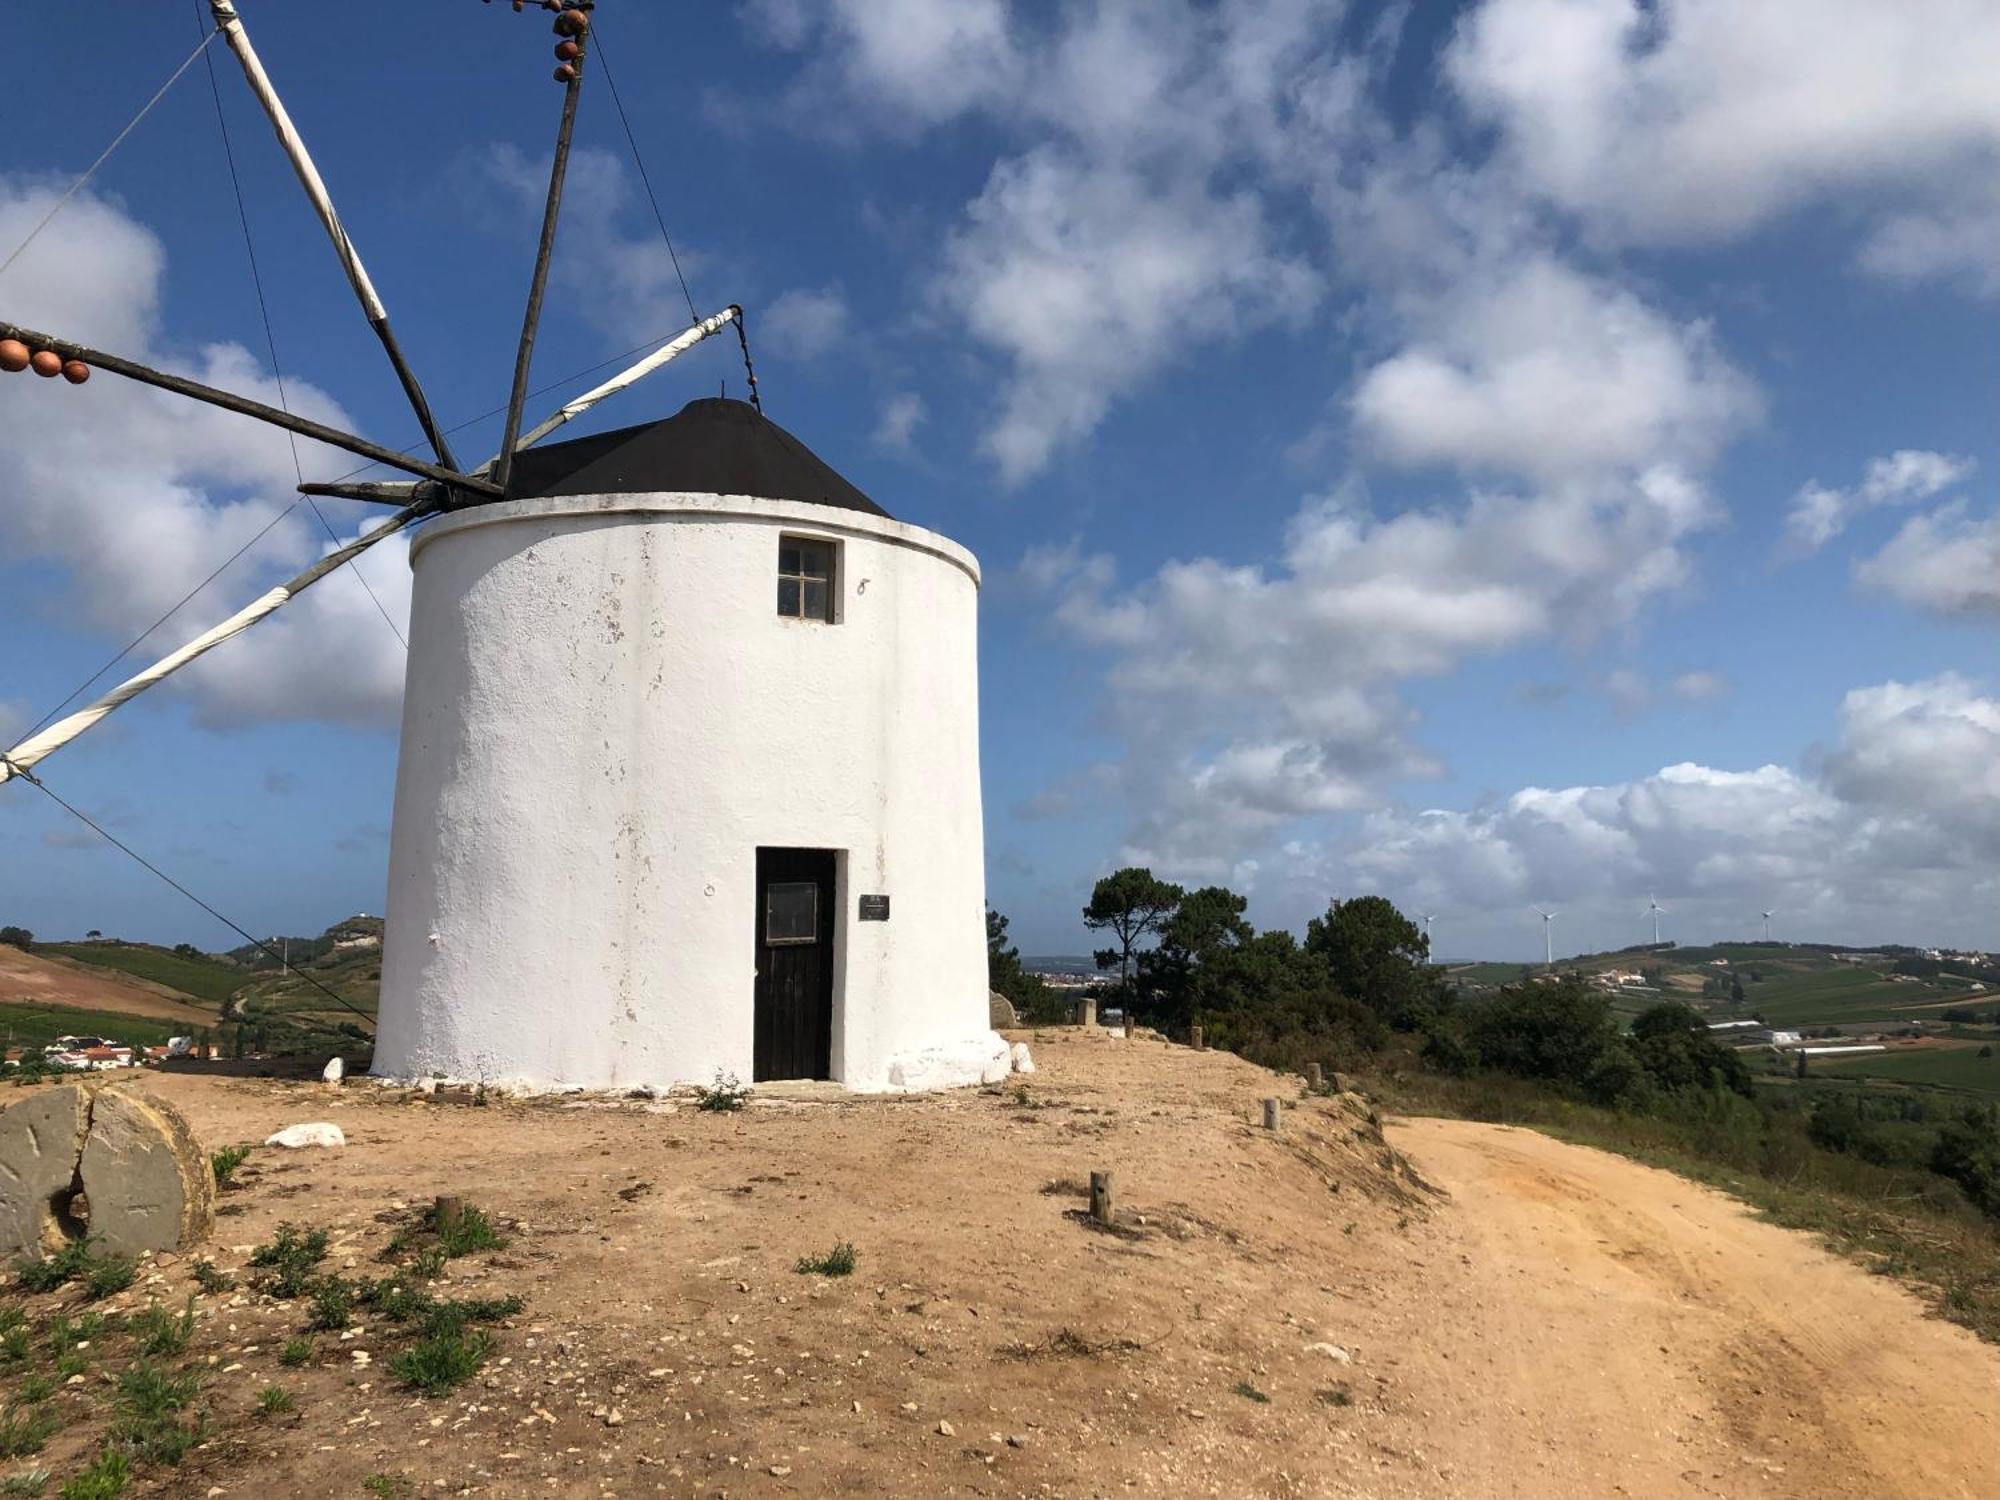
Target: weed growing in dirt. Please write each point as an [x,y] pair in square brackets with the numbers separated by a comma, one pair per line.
[71,1362]
[37,1388]
[296,1352]
[839,1261]
[443,1359]
[16,1344]
[1338,1395]
[332,1305]
[153,1421]
[428,1264]
[33,1482]
[209,1279]
[471,1230]
[159,1332]
[22,1433]
[46,1273]
[275,1401]
[389,1486]
[1250,1392]
[226,1161]
[725,1096]
[289,1259]
[103,1480]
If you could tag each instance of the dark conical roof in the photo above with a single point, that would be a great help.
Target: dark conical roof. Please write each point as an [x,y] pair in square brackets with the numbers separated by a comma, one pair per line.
[712,446]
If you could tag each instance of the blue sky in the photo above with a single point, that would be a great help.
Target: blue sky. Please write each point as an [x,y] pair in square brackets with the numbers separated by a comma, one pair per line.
[1537,451]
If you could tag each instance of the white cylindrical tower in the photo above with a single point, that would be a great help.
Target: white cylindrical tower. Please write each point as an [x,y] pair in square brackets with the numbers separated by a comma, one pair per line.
[689,779]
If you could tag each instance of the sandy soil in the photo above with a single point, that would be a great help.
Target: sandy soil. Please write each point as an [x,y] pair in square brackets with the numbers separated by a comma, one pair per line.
[48,979]
[1554,1322]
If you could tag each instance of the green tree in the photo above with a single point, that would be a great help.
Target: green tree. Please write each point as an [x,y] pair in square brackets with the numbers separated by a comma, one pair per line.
[1562,1032]
[1130,904]
[1968,1152]
[1177,975]
[1028,993]
[1674,1047]
[17,937]
[1380,957]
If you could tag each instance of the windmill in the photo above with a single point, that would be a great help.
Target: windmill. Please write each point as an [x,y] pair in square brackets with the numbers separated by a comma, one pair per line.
[551,742]
[1429,917]
[1767,926]
[1654,908]
[1548,937]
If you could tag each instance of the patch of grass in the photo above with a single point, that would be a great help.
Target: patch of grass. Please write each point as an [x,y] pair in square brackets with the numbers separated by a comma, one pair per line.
[288,1261]
[109,1276]
[17,1344]
[154,1422]
[209,1279]
[48,1272]
[71,1362]
[37,1389]
[332,1305]
[1338,1395]
[159,1332]
[839,1261]
[22,1433]
[103,1480]
[275,1401]
[725,1096]
[226,1161]
[389,1486]
[30,1482]
[296,1352]
[1250,1392]
[428,1263]
[445,1358]
[470,1231]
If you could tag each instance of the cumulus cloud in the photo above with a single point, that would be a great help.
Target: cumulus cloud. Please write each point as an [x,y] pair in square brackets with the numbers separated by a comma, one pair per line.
[138,495]
[1898,831]
[896,427]
[1947,562]
[1700,686]
[806,322]
[1818,513]
[1694,120]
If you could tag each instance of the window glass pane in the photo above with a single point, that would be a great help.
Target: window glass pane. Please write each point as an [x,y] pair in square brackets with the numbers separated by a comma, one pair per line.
[815,559]
[791,912]
[788,558]
[788,597]
[816,600]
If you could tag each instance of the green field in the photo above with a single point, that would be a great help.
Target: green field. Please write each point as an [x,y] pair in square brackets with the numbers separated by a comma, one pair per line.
[1837,996]
[1940,1067]
[201,978]
[27,1025]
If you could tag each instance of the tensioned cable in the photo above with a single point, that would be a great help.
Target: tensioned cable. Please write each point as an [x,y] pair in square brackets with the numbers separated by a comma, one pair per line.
[90,823]
[271,342]
[118,140]
[604,62]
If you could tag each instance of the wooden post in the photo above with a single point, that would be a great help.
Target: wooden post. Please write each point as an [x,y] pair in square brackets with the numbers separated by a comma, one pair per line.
[1196,1040]
[446,1212]
[1100,1197]
[1315,1075]
[1270,1114]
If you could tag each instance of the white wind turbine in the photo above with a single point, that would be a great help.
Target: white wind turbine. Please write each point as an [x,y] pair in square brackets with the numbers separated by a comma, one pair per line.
[1548,937]
[1429,917]
[1653,906]
[1767,927]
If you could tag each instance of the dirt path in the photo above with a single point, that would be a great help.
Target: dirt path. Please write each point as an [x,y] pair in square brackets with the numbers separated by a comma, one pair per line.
[1633,1333]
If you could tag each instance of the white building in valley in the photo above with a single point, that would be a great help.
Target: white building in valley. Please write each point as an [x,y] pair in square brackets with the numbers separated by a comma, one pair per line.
[689,779]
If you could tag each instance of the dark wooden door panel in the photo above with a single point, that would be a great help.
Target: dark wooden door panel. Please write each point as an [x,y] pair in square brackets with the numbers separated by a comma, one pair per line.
[794,997]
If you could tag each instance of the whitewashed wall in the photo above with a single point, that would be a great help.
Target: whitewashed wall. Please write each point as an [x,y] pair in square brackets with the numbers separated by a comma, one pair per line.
[605,718]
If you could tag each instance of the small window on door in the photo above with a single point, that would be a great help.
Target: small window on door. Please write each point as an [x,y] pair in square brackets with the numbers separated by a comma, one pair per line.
[791,912]
[806,579]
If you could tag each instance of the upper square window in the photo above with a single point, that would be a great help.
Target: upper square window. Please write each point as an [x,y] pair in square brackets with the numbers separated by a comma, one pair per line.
[806,578]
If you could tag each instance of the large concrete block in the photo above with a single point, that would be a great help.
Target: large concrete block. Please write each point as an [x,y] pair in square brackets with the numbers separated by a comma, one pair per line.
[40,1140]
[146,1177]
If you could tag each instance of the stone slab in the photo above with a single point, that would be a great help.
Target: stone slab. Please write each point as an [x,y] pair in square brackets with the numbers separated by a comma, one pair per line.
[40,1138]
[147,1178]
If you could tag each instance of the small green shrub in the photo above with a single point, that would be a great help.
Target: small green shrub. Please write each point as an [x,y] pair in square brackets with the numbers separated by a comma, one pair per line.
[389,1486]
[428,1263]
[153,1421]
[725,1096]
[46,1273]
[1338,1395]
[443,1359]
[37,1388]
[839,1261]
[110,1276]
[296,1352]
[103,1480]
[275,1400]
[226,1161]
[209,1279]
[16,1344]
[159,1332]
[32,1482]
[71,1362]
[471,1230]
[22,1433]
[288,1261]
[332,1305]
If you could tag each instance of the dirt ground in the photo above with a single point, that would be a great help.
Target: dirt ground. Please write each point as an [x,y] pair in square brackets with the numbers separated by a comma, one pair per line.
[1292,1315]
[48,979]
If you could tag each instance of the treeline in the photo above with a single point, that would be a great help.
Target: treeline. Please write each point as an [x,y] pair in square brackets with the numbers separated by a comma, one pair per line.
[1359,990]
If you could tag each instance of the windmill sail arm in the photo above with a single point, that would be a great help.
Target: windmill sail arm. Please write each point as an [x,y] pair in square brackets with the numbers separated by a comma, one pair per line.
[38,747]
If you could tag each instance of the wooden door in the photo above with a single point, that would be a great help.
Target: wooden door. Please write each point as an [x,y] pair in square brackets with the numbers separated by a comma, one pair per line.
[794,1004]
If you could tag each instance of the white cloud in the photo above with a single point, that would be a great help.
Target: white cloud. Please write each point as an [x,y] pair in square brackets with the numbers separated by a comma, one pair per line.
[805,323]
[896,428]
[1542,370]
[1818,514]
[1897,834]
[138,495]
[1700,686]
[1947,562]
[1692,120]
